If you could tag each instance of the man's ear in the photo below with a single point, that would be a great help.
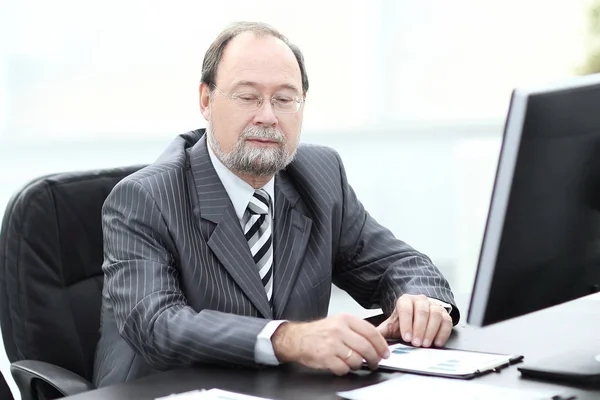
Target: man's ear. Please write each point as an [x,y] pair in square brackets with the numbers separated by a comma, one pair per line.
[204,93]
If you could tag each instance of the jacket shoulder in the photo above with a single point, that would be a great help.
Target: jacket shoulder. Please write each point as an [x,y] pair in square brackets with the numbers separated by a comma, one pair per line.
[172,162]
[316,156]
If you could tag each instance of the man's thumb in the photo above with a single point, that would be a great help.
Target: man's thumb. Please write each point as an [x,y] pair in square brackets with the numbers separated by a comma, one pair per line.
[384,328]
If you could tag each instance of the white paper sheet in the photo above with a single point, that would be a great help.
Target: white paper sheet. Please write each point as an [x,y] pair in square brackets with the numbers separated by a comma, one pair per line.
[212,394]
[595,296]
[409,387]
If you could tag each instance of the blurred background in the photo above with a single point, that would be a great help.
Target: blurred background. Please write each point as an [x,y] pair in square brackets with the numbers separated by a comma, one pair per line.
[412,94]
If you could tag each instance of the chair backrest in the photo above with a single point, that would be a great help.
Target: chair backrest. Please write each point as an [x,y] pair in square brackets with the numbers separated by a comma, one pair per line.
[5,393]
[51,268]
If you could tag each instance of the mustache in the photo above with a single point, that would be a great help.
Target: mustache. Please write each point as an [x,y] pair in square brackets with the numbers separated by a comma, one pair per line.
[273,134]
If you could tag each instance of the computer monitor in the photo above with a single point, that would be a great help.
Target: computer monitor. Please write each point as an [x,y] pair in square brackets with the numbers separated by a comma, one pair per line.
[541,245]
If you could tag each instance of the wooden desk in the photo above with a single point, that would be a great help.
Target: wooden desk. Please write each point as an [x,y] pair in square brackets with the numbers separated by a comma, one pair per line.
[559,329]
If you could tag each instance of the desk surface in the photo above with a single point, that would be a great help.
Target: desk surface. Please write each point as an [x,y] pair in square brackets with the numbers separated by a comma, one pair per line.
[556,330]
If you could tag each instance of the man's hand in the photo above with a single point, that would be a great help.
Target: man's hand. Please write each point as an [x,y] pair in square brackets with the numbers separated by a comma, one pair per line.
[418,321]
[338,344]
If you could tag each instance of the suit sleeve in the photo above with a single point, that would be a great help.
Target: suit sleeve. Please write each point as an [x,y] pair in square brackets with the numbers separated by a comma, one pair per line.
[375,268]
[142,283]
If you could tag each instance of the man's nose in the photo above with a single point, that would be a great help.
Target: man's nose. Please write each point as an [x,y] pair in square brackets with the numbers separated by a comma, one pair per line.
[265,115]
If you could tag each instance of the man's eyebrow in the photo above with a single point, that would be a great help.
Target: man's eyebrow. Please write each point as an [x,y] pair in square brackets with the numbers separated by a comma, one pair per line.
[244,83]
[257,85]
[290,86]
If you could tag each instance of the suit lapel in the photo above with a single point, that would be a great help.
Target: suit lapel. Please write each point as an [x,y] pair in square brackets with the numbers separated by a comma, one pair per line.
[230,246]
[227,240]
[291,232]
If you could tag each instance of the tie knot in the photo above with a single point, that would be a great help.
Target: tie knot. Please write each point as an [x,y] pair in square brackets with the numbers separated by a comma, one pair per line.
[259,202]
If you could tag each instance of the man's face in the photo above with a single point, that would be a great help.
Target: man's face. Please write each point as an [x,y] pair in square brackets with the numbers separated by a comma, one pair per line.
[254,142]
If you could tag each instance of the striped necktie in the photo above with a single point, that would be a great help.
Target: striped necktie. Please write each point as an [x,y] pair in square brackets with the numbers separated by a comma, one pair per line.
[257,231]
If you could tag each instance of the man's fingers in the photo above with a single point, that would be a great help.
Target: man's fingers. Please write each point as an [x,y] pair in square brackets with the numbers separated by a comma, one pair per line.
[420,318]
[384,328]
[370,333]
[351,357]
[404,308]
[338,366]
[436,316]
[390,328]
[444,332]
[363,348]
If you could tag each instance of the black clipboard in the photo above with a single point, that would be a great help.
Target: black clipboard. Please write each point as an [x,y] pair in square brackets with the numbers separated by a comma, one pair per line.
[445,362]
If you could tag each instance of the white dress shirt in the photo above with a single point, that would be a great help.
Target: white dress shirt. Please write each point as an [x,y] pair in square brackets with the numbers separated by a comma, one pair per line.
[239,193]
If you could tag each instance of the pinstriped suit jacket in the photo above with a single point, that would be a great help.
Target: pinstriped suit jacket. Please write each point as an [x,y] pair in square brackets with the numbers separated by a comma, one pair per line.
[180,283]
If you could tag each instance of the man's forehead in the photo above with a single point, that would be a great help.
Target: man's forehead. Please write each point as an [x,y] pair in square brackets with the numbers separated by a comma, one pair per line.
[248,52]
[244,40]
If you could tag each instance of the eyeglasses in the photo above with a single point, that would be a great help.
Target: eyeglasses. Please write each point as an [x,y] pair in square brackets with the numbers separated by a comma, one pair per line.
[249,101]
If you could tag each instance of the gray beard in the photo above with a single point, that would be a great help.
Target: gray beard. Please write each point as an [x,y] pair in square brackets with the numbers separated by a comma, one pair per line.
[249,160]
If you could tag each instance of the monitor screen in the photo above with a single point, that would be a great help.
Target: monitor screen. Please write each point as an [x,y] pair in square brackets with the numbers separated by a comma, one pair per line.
[541,245]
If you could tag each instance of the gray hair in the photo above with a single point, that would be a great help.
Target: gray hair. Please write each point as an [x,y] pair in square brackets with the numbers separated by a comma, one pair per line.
[213,55]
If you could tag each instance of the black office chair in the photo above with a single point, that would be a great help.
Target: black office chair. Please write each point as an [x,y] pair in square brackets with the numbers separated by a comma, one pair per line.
[51,280]
[5,393]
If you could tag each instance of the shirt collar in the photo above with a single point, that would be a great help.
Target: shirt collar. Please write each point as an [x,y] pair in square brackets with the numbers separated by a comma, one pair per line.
[238,190]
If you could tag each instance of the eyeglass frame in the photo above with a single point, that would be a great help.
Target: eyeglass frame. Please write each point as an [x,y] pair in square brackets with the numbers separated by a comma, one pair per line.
[298,99]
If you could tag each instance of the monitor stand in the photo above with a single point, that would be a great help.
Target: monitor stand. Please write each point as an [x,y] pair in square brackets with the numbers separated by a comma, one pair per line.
[580,367]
